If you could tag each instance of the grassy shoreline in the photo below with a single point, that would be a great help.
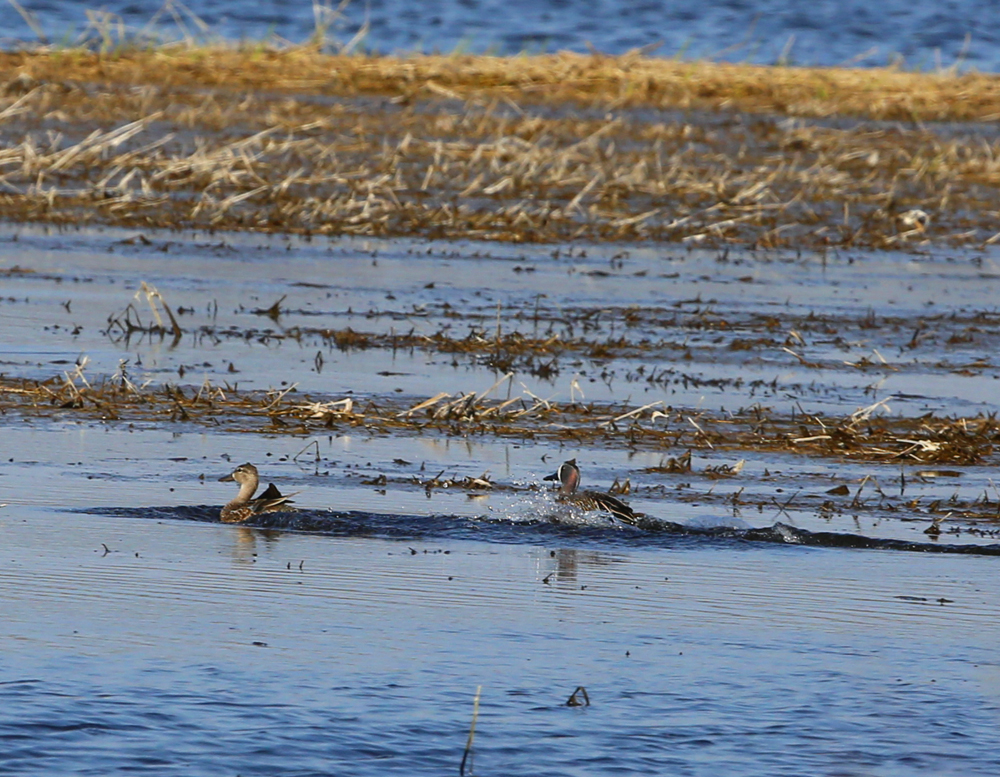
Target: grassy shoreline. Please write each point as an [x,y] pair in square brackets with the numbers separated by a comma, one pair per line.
[541,148]
[627,81]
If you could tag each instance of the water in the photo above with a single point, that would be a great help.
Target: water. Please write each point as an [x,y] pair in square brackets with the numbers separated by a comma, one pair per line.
[56,311]
[715,326]
[926,35]
[138,634]
[201,649]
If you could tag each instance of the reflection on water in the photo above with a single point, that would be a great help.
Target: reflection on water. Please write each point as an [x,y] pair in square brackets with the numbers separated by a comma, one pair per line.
[568,562]
[244,548]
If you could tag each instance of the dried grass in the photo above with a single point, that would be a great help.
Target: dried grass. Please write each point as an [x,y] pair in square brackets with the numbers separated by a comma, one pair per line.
[862,436]
[529,148]
[627,81]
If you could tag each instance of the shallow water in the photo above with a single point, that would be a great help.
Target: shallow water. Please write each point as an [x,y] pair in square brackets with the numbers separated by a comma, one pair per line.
[139,634]
[919,328]
[196,648]
[926,34]
[725,330]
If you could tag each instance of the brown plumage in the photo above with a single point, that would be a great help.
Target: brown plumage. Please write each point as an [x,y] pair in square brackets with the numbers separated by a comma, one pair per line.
[244,505]
[568,476]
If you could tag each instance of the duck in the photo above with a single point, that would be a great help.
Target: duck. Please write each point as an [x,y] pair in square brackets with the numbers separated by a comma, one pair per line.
[244,505]
[568,476]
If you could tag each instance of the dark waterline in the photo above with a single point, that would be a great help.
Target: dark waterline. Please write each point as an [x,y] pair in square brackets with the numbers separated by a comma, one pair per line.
[925,35]
[650,533]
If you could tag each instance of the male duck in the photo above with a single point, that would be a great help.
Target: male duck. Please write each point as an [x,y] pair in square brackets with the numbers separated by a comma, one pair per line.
[244,505]
[568,476]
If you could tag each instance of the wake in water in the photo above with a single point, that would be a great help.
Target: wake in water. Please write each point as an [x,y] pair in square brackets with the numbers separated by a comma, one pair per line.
[553,522]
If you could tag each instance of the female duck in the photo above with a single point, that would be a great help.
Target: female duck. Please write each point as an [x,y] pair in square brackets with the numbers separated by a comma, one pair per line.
[244,506]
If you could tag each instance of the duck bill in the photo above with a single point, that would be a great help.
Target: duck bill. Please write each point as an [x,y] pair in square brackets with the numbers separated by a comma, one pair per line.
[226,478]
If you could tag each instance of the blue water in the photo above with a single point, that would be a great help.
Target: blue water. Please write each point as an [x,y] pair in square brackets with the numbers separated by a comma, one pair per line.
[150,640]
[138,637]
[926,35]
[203,649]
[337,284]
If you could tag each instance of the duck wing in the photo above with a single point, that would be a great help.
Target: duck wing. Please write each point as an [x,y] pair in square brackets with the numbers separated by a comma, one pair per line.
[613,505]
[271,500]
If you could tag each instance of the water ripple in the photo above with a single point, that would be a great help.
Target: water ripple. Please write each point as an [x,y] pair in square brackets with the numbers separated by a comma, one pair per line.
[651,532]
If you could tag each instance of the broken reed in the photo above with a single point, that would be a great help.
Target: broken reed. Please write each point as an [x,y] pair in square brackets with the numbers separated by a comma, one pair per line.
[862,436]
[526,149]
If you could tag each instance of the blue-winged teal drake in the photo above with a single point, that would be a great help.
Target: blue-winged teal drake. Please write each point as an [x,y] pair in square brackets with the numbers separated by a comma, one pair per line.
[245,505]
[568,476]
